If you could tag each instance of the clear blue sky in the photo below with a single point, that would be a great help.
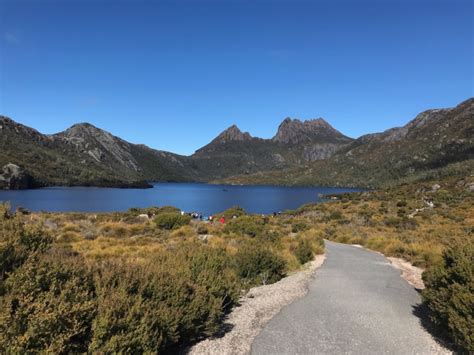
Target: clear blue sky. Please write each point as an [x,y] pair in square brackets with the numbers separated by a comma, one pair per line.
[173,74]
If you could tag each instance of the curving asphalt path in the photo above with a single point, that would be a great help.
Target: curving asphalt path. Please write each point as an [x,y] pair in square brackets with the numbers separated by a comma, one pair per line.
[357,304]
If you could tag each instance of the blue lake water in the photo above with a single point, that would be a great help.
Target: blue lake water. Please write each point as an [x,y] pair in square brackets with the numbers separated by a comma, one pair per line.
[203,198]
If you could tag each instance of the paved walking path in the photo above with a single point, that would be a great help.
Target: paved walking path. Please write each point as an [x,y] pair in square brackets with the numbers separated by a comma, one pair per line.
[357,303]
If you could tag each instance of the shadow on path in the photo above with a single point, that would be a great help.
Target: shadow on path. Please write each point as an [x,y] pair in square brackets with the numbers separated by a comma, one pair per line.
[422,312]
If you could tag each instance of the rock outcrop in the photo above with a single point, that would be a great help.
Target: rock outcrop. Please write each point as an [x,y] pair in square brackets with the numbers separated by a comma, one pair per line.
[301,152]
[99,144]
[295,132]
[12,177]
[232,134]
[436,143]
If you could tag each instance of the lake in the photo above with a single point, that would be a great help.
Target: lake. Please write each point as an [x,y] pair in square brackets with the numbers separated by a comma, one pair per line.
[203,198]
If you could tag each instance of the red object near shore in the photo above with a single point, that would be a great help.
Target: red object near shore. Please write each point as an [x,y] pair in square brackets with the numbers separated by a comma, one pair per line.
[222,220]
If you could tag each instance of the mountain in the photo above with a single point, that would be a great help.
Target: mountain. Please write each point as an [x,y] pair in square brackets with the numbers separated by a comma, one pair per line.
[231,134]
[86,155]
[435,142]
[315,138]
[296,143]
[117,154]
[309,152]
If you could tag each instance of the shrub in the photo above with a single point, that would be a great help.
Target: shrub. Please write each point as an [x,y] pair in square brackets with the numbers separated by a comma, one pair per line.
[299,227]
[233,211]
[401,203]
[248,225]
[68,237]
[257,265]
[48,307]
[164,209]
[114,229]
[271,235]
[153,210]
[335,215]
[449,293]
[214,270]
[171,220]
[18,243]
[401,212]
[401,223]
[202,229]
[304,251]
[171,301]
[391,222]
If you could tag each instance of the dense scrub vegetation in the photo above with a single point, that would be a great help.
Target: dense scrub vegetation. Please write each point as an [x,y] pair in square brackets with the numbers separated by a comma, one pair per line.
[119,282]
[429,224]
[415,222]
[122,282]
[450,293]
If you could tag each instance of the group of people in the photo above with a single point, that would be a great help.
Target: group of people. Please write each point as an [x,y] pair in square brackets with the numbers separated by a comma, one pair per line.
[199,216]
[222,220]
[193,215]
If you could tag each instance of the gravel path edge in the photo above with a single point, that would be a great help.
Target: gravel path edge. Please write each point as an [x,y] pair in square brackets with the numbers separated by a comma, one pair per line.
[256,308]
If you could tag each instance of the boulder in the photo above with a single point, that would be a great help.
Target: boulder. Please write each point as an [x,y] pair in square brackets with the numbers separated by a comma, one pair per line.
[12,177]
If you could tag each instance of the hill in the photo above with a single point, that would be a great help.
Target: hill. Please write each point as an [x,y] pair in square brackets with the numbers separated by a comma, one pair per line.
[437,142]
[86,155]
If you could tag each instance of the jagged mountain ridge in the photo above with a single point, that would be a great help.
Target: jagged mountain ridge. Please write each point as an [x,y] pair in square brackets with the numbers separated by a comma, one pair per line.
[295,143]
[295,131]
[86,155]
[301,152]
[439,141]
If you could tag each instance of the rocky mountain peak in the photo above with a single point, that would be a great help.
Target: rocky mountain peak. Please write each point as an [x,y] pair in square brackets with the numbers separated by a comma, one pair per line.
[233,133]
[99,144]
[295,131]
[9,125]
[83,130]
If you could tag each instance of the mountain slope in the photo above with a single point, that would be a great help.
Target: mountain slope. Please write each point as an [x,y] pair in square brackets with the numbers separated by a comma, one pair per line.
[86,155]
[435,142]
[301,153]
[296,143]
[138,160]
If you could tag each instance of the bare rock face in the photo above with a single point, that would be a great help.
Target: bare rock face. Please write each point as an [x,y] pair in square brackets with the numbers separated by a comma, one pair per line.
[320,151]
[12,177]
[99,144]
[232,134]
[295,132]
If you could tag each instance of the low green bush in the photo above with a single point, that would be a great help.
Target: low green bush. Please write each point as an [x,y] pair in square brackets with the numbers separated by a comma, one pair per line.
[151,310]
[54,302]
[257,265]
[299,227]
[202,229]
[335,215]
[248,225]
[49,306]
[173,300]
[231,212]
[171,220]
[304,251]
[449,293]
[401,222]
[153,210]
[401,203]
[17,243]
